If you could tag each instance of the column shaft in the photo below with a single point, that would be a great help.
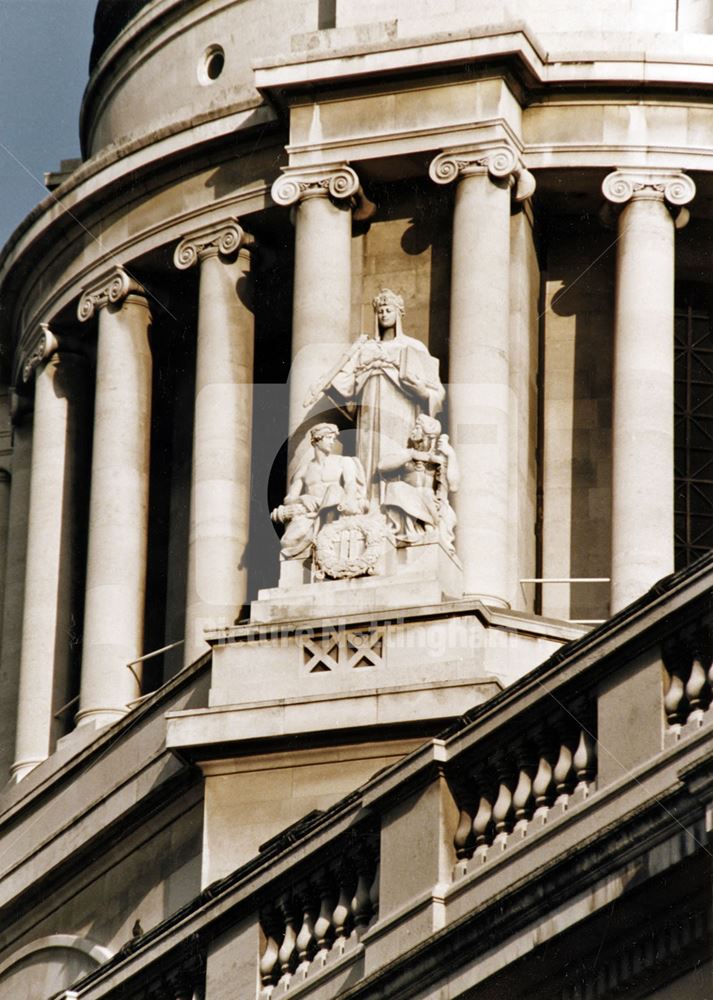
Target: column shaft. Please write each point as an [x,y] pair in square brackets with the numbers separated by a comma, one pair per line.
[222,440]
[51,559]
[12,613]
[642,432]
[479,393]
[118,512]
[5,492]
[321,298]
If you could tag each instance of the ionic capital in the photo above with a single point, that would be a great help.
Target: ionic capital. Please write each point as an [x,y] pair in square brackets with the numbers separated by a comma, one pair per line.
[219,239]
[672,187]
[43,346]
[111,288]
[334,180]
[501,161]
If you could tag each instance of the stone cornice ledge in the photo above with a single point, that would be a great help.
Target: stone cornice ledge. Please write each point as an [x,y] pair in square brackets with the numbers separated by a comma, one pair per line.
[580,861]
[517,41]
[111,165]
[397,54]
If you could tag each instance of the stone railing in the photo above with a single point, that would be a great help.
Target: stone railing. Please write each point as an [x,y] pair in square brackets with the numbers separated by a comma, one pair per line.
[536,811]
[688,669]
[518,783]
[315,919]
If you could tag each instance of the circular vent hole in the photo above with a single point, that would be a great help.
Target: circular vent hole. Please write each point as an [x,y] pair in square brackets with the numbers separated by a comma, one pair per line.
[211,65]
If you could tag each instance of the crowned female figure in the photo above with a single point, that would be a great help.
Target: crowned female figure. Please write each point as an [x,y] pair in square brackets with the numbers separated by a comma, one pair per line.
[386,380]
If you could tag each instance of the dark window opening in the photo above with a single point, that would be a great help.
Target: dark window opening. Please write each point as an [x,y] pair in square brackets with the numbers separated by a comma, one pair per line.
[693,429]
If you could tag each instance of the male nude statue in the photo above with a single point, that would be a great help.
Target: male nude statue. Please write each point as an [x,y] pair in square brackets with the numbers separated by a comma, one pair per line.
[323,486]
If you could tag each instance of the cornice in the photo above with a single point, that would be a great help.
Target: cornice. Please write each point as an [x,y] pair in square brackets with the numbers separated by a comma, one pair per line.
[98,177]
[538,64]
[578,864]
[166,232]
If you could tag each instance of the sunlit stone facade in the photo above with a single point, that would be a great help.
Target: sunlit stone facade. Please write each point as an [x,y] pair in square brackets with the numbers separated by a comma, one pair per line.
[225,776]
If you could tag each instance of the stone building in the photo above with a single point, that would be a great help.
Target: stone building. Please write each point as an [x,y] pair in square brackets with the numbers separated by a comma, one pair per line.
[355,762]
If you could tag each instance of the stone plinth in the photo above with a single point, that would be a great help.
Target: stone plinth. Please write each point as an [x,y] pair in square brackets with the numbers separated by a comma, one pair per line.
[424,573]
[303,711]
[446,642]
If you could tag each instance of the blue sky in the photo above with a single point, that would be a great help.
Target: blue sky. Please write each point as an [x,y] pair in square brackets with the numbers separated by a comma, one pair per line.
[44,58]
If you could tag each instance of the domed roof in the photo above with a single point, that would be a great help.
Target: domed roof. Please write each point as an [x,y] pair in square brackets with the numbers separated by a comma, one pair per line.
[110,19]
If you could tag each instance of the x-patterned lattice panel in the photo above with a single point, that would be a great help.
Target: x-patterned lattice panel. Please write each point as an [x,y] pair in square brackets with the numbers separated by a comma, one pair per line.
[342,649]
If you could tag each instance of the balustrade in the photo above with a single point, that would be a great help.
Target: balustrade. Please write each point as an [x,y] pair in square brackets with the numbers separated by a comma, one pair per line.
[321,914]
[688,679]
[523,783]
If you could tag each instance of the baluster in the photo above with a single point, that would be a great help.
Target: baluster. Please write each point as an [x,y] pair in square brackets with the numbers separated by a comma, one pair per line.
[677,664]
[502,809]
[563,773]
[523,799]
[585,763]
[269,923]
[342,916]
[543,785]
[464,837]
[584,760]
[323,926]
[306,942]
[288,949]
[696,689]
[374,892]
[361,902]
[483,821]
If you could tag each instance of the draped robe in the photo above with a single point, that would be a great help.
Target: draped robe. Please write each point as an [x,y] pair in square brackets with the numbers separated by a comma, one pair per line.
[386,406]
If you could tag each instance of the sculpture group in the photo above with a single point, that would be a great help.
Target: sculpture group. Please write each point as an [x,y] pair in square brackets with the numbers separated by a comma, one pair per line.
[340,511]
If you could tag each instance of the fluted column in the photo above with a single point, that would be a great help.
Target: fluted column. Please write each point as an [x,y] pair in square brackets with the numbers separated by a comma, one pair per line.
[479,374]
[59,416]
[12,612]
[118,506]
[642,429]
[222,431]
[321,333]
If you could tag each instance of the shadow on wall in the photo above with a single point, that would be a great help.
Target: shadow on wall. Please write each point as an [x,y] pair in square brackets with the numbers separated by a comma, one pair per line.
[49,965]
[578,357]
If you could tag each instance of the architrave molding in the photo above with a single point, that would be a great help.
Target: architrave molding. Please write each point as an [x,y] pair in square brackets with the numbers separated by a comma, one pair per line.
[110,288]
[500,159]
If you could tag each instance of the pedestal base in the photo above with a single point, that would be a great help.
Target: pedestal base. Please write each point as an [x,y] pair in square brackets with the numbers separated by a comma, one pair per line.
[407,576]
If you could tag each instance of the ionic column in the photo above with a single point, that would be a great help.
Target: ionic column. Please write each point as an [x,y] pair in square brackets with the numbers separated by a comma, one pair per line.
[118,506]
[321,333]
[642,429]
[59,416]
[12,612]
[479,374]
[222,431]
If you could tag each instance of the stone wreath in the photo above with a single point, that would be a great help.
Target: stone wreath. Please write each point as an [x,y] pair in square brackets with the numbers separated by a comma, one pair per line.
[328,561]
